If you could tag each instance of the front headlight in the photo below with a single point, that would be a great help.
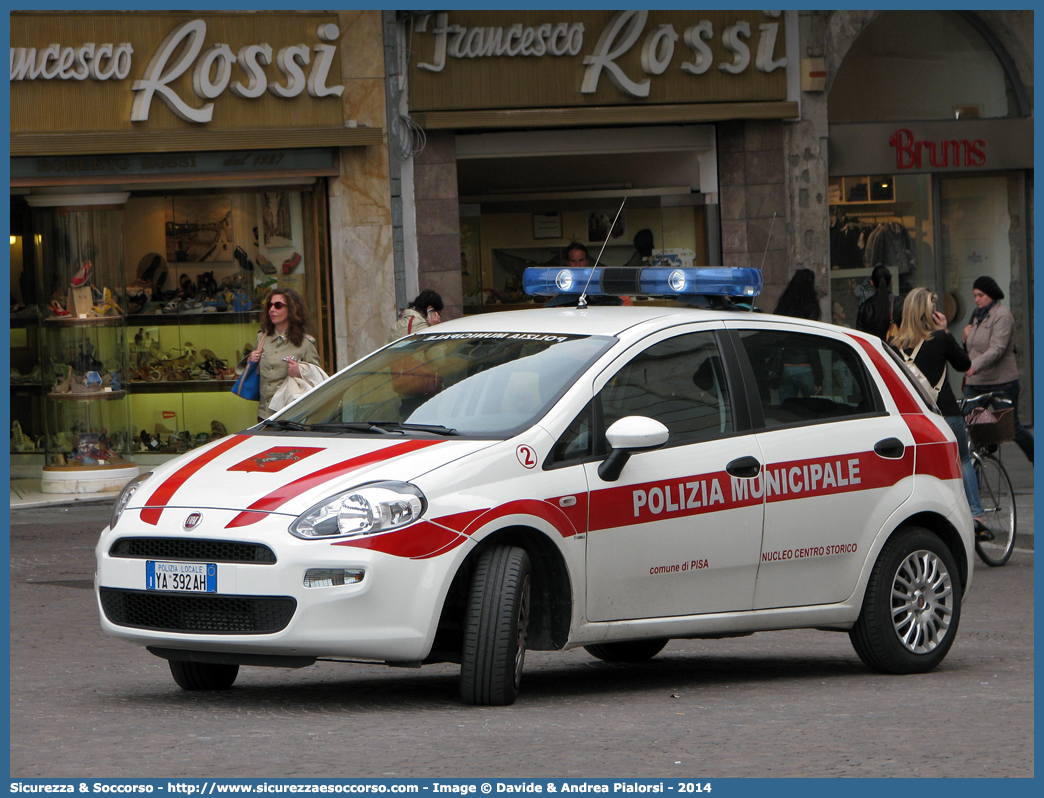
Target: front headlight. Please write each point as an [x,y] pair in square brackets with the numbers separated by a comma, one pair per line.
[125,496]
[365,510]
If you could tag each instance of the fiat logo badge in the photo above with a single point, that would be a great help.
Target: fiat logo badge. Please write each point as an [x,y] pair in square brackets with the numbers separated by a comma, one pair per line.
[193,520]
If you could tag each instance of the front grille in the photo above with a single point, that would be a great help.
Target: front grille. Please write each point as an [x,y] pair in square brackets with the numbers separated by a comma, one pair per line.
[192,549]
[218,615]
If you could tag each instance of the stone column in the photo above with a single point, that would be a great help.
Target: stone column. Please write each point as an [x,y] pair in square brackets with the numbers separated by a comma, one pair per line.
[752,182]
[807,175]
[362,261]
[438,221]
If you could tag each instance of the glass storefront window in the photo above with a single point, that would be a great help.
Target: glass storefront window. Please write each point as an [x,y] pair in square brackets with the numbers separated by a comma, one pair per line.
[159,296]
[878,219]
[221,254]
[499,240]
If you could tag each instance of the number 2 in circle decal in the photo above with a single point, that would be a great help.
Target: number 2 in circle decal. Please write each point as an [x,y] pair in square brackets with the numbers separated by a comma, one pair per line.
[526,456]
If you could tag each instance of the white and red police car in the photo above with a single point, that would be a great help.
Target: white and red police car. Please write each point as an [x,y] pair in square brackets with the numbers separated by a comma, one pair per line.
[605,477]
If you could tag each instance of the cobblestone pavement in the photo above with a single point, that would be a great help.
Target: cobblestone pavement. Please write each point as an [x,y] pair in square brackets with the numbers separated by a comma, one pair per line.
[776,704]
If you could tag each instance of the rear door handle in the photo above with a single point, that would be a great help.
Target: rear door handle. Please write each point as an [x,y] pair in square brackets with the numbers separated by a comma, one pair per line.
[892,448]
[744,467]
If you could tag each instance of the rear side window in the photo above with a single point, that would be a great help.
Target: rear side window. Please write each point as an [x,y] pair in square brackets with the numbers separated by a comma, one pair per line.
[803,377]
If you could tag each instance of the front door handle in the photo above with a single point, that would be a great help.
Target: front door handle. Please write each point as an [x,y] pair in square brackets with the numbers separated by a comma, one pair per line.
[744,467]
[892,448]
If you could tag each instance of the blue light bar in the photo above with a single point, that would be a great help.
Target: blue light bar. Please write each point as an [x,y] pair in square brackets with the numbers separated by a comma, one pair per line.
[656,281]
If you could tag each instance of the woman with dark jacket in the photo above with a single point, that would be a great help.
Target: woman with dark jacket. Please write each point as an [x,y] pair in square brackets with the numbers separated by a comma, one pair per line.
[925,327]
[879,312]
[989,339]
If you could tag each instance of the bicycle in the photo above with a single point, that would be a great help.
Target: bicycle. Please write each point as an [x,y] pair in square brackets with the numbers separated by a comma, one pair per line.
[986,431]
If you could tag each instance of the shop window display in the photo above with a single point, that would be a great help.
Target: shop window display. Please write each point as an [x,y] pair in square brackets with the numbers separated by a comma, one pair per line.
[83,354]
[878,219]
[203,265]
[144,308]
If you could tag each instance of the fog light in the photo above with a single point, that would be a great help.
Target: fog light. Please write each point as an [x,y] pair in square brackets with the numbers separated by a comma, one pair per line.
[331,577]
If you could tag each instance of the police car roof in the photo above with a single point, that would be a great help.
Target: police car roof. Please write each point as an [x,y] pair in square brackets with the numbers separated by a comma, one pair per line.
[593,320]
[626,321]
[597,320]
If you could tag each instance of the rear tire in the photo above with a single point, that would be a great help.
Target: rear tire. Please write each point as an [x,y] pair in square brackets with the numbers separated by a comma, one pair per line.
[628,650]
[202,675]
[496,624]
[912,605]
[998,505]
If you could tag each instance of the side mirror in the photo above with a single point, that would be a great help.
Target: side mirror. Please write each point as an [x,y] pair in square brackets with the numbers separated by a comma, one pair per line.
[628,436]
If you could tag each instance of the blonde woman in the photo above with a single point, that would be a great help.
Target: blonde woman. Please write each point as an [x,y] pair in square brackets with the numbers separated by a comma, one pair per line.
[924,326]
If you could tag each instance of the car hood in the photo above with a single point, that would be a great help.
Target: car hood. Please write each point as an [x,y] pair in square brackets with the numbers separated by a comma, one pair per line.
[261,474]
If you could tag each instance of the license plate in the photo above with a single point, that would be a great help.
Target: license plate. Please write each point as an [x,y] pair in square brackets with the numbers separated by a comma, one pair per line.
[181,577]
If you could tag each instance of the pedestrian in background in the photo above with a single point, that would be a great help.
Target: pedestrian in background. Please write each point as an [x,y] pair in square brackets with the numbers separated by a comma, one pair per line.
[423,312]
[923,335]
[283,344]
[802,371]
[989,339]
[878,313]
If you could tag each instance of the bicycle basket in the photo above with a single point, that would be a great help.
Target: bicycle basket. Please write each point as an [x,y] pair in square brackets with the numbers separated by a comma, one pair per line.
[989,428]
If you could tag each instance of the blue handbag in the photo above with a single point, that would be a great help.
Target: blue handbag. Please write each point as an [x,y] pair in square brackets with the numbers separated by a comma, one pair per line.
[248,384]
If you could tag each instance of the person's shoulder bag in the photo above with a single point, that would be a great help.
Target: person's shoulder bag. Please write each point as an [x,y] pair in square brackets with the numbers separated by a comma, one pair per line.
[248,383]
[933,390]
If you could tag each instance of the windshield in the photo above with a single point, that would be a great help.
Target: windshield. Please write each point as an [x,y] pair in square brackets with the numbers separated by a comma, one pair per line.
[490,385]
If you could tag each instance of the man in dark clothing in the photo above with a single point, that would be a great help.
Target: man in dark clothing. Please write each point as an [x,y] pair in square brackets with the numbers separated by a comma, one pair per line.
[883,309]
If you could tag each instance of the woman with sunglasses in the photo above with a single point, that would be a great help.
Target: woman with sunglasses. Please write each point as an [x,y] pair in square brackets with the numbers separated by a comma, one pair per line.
[282,344]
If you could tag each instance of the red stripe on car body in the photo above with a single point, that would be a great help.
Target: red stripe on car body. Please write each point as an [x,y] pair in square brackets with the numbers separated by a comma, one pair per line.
[551,513]
[416,542]
[939,460]
[428,539]
[718,491]
[160,497]
[292,490]
[923,429]
[458,522]
[577,513]
[902,394]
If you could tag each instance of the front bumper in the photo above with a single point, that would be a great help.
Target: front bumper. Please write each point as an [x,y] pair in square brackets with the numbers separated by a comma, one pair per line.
[263,607]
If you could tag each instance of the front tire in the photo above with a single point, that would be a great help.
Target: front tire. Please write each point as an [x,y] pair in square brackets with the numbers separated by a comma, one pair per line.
[496,624]
[912,605]
[202,675]
[998,505]
[627,650]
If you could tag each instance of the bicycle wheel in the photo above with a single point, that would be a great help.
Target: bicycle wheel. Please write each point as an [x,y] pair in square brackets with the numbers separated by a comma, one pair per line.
[998,504]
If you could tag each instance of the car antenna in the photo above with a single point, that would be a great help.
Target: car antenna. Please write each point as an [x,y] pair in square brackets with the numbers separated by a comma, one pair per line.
[582,302]
[765,255]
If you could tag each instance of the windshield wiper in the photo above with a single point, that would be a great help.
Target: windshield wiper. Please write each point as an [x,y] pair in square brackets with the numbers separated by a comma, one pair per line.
[435,429]
[281,424]
[350,426]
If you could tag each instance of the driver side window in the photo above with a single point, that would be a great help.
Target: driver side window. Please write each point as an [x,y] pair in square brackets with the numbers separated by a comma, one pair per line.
[680,382]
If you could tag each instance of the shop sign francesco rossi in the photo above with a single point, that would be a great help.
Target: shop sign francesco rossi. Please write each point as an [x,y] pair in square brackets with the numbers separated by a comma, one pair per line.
[633,49]
[181,51]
